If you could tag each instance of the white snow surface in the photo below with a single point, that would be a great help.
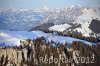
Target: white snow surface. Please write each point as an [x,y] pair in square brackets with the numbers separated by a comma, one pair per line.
[61,27]
[12,38]
[85,20]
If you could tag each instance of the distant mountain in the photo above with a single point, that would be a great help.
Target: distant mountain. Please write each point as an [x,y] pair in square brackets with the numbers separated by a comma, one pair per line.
[20,19]
[68,18]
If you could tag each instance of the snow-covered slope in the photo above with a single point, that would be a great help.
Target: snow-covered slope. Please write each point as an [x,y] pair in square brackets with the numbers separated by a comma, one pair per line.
[8,40]
[60,27]
[84,20]
[12,38]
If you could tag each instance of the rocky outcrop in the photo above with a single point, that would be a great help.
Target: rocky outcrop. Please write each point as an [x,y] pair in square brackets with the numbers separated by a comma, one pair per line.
[95,26]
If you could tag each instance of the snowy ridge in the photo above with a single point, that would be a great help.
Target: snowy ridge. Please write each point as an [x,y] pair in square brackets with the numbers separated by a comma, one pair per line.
[63,15]
[85,21]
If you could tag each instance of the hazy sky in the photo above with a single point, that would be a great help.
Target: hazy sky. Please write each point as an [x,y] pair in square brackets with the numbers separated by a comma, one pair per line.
[48,3]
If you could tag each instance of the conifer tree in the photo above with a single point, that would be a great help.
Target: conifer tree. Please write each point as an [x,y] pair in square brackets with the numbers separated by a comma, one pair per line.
[2,60]
[6,61]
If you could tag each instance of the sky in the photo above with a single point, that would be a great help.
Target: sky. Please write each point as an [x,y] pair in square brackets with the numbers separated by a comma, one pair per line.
[47,3]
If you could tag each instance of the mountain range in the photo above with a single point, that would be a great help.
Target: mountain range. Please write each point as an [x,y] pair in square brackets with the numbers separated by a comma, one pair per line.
[77,18]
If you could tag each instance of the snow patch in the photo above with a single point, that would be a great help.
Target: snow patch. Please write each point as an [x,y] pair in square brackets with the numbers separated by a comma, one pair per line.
[61,27]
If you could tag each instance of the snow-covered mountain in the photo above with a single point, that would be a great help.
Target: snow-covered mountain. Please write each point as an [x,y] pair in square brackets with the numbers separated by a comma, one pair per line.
[62,19]
[85,20]
[63,15]
[81,23]
[20,19]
